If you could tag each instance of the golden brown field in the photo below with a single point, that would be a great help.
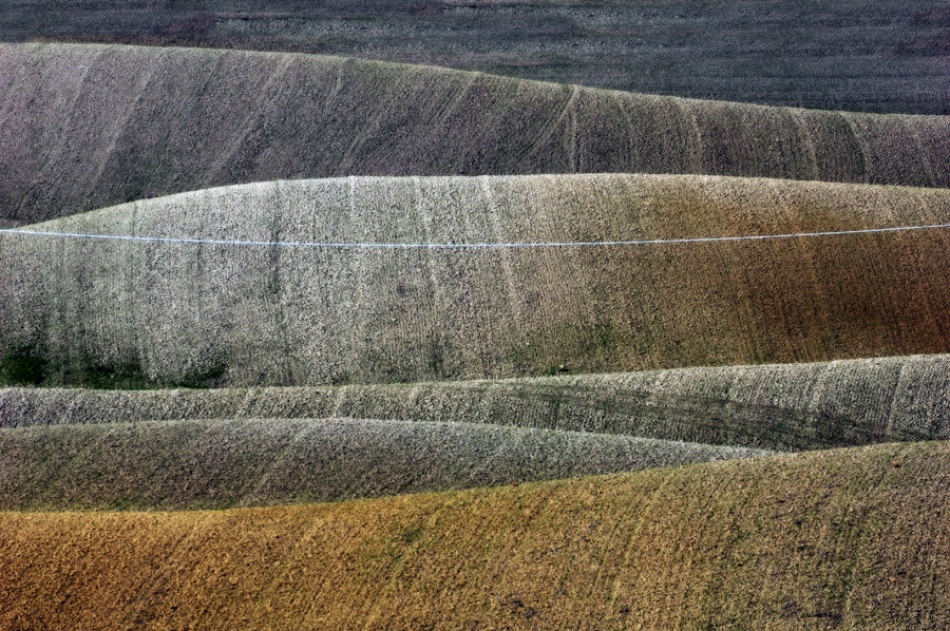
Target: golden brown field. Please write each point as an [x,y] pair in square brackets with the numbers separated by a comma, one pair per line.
[848,538]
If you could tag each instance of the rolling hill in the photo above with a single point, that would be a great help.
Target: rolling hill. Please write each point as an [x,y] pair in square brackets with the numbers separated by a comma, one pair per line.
[253,282]
[80,449]
[852,538]
[88,126]
[226,463]
[786,407]
[290,305]
[889,56]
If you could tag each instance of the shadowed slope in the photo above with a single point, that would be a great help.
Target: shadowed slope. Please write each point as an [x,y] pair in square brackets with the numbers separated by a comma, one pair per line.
[216,314]
[217,464]
[83,127]
[855,538]
[836,54]
[785,407]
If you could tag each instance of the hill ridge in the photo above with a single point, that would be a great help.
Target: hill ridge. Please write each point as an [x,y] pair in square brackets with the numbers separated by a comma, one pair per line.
[374,118]
[839,54]
[205,314]
[783,407]
[222,463]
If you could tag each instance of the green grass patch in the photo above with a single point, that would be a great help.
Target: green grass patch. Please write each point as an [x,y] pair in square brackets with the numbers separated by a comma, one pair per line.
[22,367]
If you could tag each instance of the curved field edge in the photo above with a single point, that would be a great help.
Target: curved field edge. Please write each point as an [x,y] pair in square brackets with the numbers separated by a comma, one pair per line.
[837,55]
[853,538]
[89,126]
[76,311]
[783,406]
[255,462]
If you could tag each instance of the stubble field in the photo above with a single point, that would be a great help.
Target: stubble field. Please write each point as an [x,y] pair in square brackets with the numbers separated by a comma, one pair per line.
[292,341]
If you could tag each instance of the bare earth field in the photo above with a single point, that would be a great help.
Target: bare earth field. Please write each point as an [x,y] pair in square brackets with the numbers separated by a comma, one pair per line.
[294,341]
[225,463]
[785,407]
[885,56]
[84,127]
[230,314]
[854,538]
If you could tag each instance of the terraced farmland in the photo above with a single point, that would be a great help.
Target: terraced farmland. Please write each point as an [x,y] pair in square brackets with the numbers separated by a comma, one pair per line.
[360,340]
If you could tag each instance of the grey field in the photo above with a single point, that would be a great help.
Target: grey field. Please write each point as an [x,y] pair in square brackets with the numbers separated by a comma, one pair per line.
[787,407]
[882,56]
[85,127]
[190,448]
[222,463]
[281,332]
[216,313]
[336,278]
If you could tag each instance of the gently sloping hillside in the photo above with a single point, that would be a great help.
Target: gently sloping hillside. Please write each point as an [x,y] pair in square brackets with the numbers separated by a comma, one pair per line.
[269,313]
[839,54]
[227,463]
[783,406]
[84,127]
[854,538]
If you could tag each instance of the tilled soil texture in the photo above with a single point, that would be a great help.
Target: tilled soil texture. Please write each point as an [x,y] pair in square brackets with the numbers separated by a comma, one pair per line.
[334,281]
[84,127]
[847,538]
[227,463]
[889,56]
[787,407]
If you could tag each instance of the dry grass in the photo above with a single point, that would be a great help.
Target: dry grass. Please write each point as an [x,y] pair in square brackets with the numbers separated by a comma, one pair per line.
[227,463]
[784,407]
[840,539]
[231,315]
[90,126]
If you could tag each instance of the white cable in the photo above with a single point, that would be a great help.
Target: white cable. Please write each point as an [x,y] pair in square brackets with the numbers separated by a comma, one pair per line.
[464,246]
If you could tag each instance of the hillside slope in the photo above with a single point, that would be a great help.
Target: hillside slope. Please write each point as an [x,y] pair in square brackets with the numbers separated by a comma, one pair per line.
[227,463]
[245,314]
[855,538]
[888,56]
[786,407]
[84,127]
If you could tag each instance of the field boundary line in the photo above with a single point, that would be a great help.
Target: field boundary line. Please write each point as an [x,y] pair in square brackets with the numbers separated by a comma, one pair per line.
[466,246]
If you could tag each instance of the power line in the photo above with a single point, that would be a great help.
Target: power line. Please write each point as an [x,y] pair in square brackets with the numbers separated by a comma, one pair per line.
[466,246]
